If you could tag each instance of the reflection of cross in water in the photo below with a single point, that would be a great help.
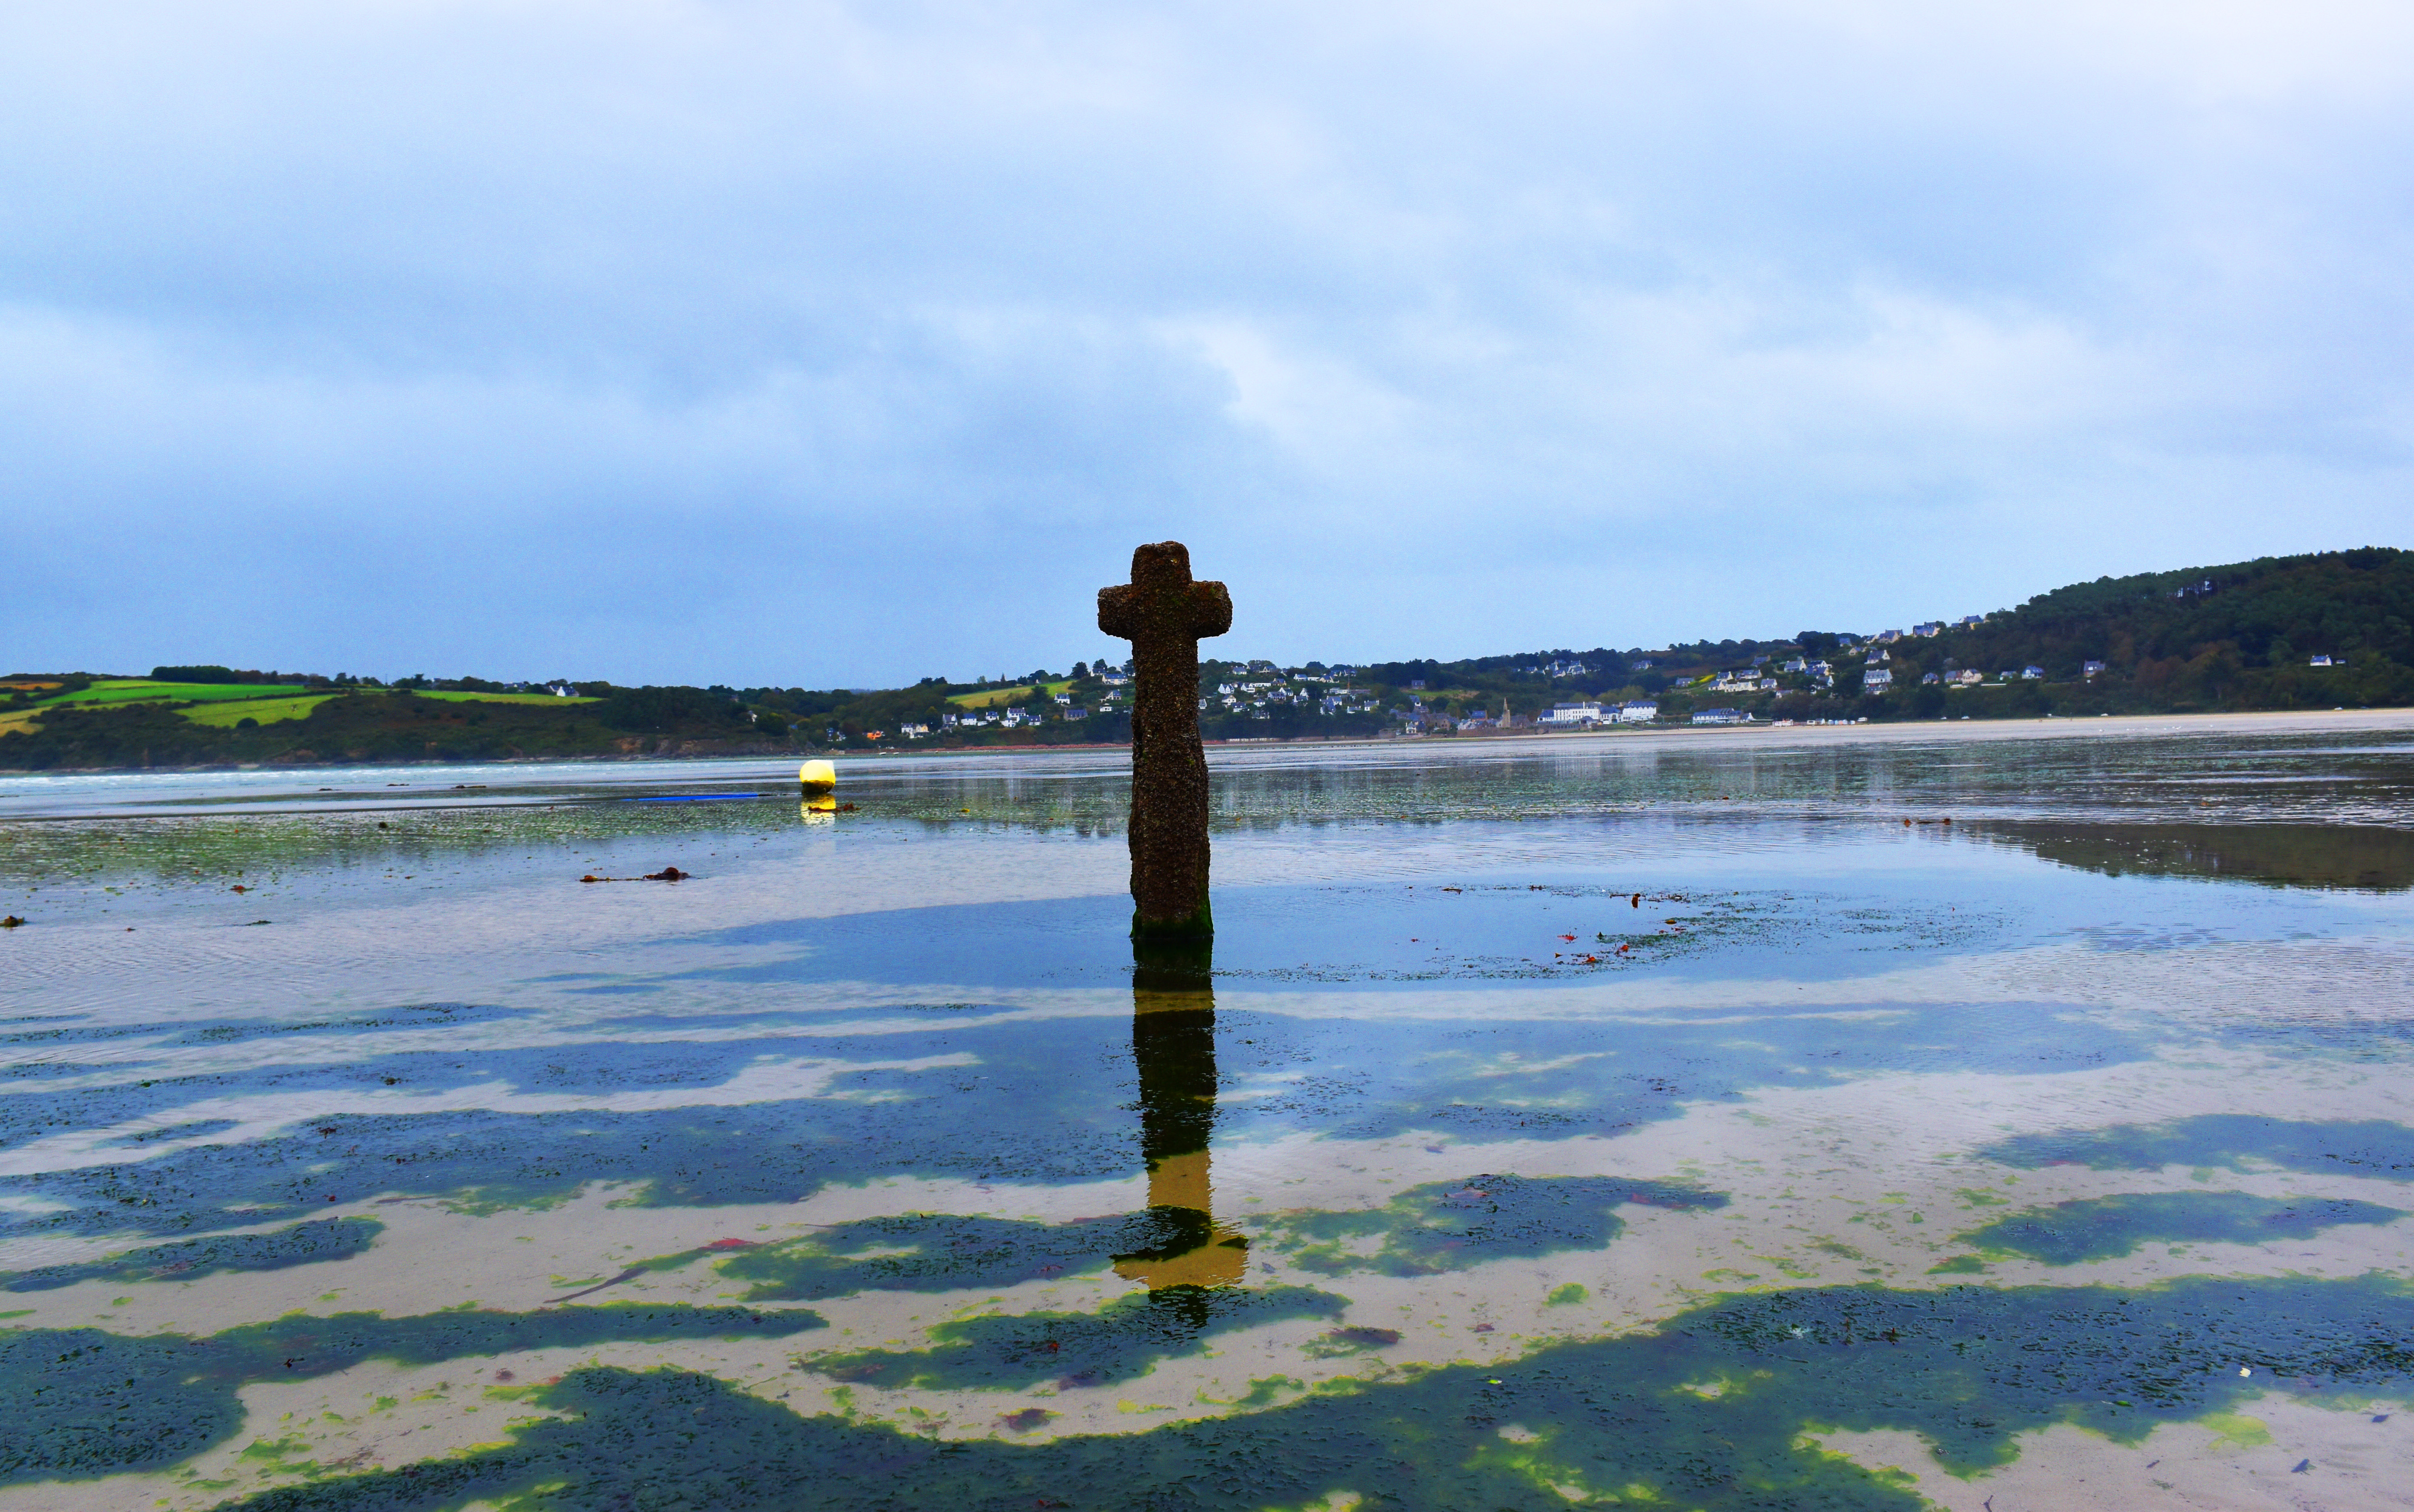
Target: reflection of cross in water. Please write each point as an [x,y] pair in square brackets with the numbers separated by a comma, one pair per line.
[1173,1041]
[1163,613]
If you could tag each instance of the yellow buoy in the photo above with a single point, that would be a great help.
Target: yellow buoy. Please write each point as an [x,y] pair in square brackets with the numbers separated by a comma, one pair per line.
[820,779]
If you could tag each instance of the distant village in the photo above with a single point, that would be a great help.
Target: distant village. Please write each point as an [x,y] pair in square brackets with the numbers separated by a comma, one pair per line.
[1815,679]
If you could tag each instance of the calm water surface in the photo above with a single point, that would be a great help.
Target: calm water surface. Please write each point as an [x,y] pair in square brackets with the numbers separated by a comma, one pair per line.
[1885,1118]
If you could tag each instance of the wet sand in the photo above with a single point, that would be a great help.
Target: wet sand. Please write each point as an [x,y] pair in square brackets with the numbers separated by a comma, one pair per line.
[842,1140]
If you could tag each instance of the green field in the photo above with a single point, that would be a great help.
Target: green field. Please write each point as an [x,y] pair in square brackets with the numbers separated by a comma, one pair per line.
[143,690]
[226,713]
[146,691]
[989,697]
[503,697]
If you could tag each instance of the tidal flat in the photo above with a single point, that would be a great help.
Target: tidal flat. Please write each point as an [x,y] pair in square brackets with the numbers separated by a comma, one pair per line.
[1960,1116]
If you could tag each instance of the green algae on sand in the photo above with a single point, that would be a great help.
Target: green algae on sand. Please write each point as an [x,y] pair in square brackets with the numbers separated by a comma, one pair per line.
[1120,1341]
[84,1401]
[1449,1225]
[1966,1368]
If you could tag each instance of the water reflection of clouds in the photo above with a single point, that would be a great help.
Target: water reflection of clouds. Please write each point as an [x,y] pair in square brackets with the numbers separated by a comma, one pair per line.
[234,1121]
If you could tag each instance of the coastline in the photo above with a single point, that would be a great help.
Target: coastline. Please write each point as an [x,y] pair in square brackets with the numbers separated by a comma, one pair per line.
[2046,727]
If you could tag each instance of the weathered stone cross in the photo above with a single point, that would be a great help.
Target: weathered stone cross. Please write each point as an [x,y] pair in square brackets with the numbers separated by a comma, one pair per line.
[1163,613]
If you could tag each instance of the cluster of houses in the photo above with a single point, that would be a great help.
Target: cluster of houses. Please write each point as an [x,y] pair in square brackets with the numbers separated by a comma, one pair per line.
[1930,629]
[1971,676]
[1263,694]
[1584,713]
[1013,717]
[1761,677]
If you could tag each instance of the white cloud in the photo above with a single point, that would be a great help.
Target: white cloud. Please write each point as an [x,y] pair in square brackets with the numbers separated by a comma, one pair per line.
[526,339]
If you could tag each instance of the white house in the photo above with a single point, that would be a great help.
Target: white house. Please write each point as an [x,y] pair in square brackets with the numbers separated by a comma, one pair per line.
[1969,621]
[2089,669]
[1932,628]
[1966,677]
[1573,714]
[1876,680]
[1720,717]
[1637,711]
[2321,661]
[2032,673]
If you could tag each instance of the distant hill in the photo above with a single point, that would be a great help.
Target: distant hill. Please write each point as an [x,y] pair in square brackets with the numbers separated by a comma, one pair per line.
[2281,633]
[2240,636]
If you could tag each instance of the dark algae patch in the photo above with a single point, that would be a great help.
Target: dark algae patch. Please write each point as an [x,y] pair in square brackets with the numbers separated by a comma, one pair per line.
[2104,1229]
[1120,1341]
[1966,1369]
[302,1244]
[84,1401]
[938,1251]
[2239,1141]
[1447,1225]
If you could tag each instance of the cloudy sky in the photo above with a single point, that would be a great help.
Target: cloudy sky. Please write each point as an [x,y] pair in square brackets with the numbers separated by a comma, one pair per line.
[844,344]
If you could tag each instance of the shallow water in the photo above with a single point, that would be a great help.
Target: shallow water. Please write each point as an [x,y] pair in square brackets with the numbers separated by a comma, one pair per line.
[1775,1118]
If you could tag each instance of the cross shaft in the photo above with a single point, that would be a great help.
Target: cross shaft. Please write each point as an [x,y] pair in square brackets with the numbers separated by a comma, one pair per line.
[1164,613]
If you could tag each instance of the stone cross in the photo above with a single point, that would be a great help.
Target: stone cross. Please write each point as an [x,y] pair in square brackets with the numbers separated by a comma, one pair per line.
[1163,613]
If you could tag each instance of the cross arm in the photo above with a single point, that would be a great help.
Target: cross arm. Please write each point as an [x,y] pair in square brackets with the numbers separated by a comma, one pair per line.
[1210,609]
[1119,612]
